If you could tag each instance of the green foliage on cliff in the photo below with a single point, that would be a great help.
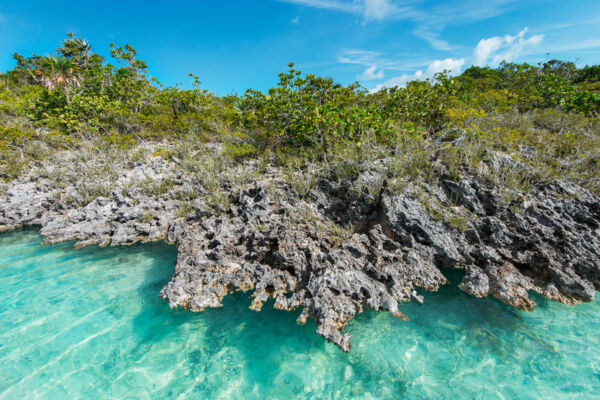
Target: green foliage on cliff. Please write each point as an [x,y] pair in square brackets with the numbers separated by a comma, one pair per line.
[549,110]
[312,111]
[76,91]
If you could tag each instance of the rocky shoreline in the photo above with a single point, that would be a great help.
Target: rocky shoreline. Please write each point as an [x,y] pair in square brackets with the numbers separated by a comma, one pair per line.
[332,252]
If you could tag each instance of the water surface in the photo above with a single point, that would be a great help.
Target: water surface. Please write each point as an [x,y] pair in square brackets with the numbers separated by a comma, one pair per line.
[89,324]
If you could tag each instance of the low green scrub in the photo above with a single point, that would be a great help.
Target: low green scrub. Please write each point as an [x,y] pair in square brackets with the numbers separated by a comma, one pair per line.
[544,116]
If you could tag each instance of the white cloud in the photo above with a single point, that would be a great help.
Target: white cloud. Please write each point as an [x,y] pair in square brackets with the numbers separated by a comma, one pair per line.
[295,21]
[485,48]
[492,51]
[449,64]
[488,51]
[371,73]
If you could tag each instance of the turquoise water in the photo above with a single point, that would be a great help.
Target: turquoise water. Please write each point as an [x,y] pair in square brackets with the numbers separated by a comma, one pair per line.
[89,324]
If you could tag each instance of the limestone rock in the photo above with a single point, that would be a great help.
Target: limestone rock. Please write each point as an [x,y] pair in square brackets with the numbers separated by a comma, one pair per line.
[552,246]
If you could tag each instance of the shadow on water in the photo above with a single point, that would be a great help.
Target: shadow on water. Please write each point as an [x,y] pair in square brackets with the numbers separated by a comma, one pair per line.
[456,304]
[151,324]
[15,234]
[483,320]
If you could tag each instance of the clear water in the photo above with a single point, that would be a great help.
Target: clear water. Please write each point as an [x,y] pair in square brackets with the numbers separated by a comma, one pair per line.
[89,324]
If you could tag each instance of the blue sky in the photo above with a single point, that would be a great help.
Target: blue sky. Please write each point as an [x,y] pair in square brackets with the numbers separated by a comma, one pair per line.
[234,45]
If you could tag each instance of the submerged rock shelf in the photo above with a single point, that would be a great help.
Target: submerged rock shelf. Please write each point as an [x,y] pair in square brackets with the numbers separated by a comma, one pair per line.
[332,253]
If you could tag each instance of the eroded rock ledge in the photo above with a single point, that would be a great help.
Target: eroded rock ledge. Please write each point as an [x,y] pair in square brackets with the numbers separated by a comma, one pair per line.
[288,248]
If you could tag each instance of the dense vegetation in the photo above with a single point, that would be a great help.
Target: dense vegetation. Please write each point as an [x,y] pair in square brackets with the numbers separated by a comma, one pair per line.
[545,116]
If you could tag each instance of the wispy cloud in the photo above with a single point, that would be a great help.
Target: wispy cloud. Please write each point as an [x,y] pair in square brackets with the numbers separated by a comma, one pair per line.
[349,7]
[579,45]
[378,9]
[430,21]
[295,21]
[369,58]
[369,10]
[361,57]
[567,25]
[434,40]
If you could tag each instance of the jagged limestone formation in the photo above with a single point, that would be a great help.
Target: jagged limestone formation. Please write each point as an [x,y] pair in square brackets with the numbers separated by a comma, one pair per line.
[289,249]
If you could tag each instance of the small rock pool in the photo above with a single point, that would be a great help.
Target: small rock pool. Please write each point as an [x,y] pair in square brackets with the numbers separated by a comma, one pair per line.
[89,324]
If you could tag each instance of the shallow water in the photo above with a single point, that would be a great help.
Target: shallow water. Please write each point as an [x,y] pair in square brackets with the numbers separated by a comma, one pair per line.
[89,324]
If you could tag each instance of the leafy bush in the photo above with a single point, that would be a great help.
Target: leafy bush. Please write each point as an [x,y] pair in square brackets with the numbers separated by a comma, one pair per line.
[310,111]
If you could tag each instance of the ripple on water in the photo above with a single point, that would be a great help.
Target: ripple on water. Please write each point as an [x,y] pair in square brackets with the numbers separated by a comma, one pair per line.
[89,324]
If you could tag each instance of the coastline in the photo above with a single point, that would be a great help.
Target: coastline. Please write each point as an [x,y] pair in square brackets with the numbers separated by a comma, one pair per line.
[333,251]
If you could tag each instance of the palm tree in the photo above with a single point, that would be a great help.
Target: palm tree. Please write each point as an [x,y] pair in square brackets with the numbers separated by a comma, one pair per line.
[76,49]
[54,71]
